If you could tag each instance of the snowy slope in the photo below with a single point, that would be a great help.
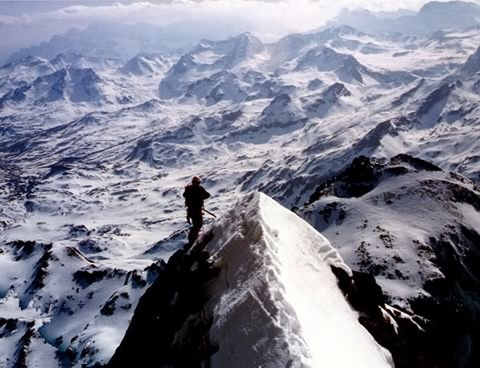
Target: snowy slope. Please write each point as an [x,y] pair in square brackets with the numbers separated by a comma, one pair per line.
[44,285]
[415,228]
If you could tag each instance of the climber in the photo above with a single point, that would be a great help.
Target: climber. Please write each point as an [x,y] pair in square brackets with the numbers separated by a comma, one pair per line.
[194,195]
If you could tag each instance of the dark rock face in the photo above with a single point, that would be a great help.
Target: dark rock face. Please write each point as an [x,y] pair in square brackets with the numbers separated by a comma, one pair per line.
[89,275]
[25,331]
[414,162]
[169,327]
[22,249]
[79,230]
[409,94]
[89,246]
[413,342]
[41,268]
[472,65]
[453,310]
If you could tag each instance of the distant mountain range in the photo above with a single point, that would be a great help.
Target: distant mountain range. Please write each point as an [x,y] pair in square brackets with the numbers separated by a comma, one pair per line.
[432,17]
[126,40]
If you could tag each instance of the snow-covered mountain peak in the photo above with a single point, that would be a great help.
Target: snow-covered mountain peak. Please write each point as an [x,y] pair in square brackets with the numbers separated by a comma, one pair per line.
[228,53]
[26,69]
[77,85]
[335,91]
[266,263]
[209,72]
[339,31]
[75,60]
[325,59]
[142,65]
[292,45]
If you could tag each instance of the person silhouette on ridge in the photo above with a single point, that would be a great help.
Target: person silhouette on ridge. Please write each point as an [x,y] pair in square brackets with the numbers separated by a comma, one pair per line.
[194,195]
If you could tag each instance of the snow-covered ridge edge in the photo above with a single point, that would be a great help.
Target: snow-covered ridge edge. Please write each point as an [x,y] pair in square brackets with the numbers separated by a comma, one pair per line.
[268,298]
[278,277]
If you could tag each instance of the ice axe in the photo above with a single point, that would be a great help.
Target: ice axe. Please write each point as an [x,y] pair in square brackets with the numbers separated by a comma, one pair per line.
[209,213]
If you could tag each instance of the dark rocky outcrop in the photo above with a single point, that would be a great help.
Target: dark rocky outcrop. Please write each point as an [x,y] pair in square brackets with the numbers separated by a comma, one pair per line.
[24,346]
[356,180]
[40,270]
[170,326]
[92,273]
[453,310]
[414,162]
[364,173]
[421,342]
[117,300]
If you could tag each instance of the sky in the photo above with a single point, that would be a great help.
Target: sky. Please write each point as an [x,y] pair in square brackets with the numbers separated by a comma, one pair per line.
[24,23]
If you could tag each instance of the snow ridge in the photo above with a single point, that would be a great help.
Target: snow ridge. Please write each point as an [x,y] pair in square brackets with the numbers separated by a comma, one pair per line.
[271,262]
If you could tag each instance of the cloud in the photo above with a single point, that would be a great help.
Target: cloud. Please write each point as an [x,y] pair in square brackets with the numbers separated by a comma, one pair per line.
[8,20]
[293,14]
[287,14]
[268,19]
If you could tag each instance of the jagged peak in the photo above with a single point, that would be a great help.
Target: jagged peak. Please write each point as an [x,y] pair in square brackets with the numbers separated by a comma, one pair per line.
[339,30]
[278,104]
[335,91]
[245,37]
[240,39]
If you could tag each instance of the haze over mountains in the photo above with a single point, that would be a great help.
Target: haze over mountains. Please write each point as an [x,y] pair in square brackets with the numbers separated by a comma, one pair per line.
[124,41]
[97,139]
[433,16]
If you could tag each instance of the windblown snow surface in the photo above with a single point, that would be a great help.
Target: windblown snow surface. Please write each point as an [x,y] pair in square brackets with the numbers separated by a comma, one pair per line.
[277,302]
